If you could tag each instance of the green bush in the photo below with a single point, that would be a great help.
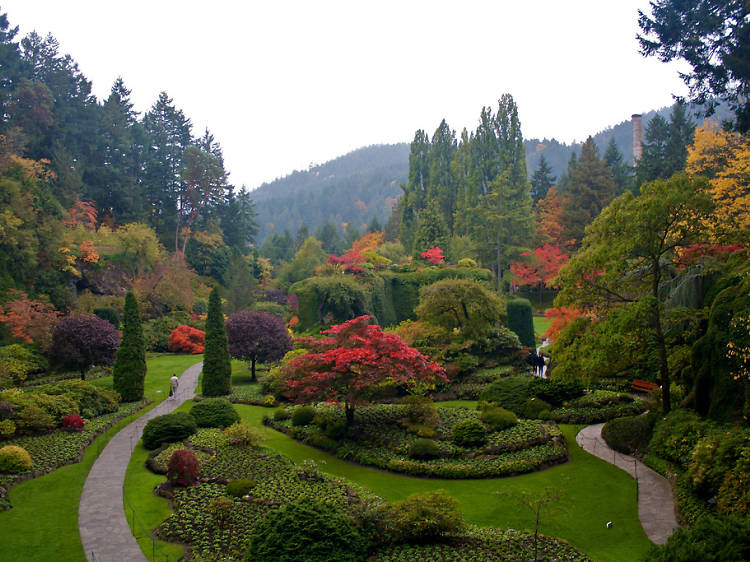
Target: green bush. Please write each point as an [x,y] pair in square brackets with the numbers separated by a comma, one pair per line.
[711,539]
[214,412]
[332,426]
[734,493]
[629,435]
[308,530]
[92,400]
[7,428]
[32,419]
[239,487]
[276,309]
[509,392]
[555,392]
[168,429]
[243,436]
[18,362]
[536,409]
[676,435]
[424,449]
[714,456]
[469,432]
[425,518]
[281,414]
[521,321]
[498,418]
[108,314]
[14,459]
[303,415]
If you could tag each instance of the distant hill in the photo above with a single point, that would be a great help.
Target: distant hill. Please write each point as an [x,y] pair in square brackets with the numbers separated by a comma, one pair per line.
[365,183]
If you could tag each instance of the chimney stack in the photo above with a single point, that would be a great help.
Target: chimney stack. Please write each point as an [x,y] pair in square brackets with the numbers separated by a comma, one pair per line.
[637,123]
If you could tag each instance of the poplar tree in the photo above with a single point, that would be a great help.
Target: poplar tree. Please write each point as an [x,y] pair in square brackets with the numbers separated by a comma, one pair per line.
[129,371]
[217,367]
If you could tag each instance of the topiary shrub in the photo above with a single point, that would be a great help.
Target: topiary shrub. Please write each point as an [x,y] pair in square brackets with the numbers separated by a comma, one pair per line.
[631,434]
[239,487]
[498,418]
[509,392]
[14,459]
[309,530]
[214,412]
[168,429]
[303,415]
[536,409]
[425,518]
[241,435]
[469,432]
[521,321]
[73,422]
[424,449]
[183,467]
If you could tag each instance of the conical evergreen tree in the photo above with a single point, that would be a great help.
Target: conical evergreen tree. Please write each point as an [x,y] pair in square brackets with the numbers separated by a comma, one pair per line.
[431,230]
[130,363]
[217,368]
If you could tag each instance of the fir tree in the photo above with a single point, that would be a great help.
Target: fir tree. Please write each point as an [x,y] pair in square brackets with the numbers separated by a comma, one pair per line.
[431,230]
[542,180]
[217,367]
[620,171]
[130,363]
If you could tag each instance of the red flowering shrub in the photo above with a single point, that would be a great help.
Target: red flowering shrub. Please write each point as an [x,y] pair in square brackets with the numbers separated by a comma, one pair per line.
[434,255]
[182,468]
[351,261]
[73,422]
[187,339]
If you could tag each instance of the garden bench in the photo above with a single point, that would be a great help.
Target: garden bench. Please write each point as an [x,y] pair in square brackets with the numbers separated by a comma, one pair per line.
[644,386]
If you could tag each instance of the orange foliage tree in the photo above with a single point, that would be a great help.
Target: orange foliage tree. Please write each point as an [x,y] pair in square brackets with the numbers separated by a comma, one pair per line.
[549,218]
[560,317]
[29,320]
[187,339]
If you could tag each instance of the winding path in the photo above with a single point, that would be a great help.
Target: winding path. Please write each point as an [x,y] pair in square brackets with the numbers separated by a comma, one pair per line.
[655,501]
[104,528]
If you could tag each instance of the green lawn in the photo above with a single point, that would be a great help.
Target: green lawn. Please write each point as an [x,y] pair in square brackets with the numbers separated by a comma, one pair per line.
[595,493]
[541,325]
[43,524]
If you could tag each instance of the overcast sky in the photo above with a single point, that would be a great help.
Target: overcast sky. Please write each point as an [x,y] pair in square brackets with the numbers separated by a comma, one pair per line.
[284,84]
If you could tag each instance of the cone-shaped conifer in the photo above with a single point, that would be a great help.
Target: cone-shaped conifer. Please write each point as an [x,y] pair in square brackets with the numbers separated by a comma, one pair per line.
[130,363]
[217,368]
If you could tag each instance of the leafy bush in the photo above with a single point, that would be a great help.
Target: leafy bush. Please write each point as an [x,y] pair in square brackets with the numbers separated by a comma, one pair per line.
[469,432]
[306,529]
[734,493]
[303,415]
[32,419]
[600,398]
[214,412]
[676,435]
[536,409]
[168,428]
[187,339]
[241,435]
[332,426]
[631,434]
[424,449]
[219,509]
[509,392]
[91,400]
[183,467]
[239,487]
[18,362]
[714,456]
[14,459]
[73,422]
[555,392]
[108,314]
[421,416]
[426,517]
[521,321]
[498,418]
[281,414]
[7,428]
[711,539]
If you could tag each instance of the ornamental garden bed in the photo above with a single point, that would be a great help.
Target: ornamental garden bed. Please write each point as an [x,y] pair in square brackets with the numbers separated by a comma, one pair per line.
[382,436]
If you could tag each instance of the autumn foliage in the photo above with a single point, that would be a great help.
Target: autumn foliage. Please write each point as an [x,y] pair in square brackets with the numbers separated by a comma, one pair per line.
[353,363]
[545,263]
[187,339]
[183,467]
[560,317]
[29,320]
[434,255]
[350,262]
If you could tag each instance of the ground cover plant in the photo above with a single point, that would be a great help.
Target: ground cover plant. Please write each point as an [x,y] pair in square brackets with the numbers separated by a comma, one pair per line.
[462,445]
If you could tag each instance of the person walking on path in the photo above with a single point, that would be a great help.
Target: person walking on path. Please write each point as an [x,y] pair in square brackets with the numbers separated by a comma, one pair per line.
[173,384]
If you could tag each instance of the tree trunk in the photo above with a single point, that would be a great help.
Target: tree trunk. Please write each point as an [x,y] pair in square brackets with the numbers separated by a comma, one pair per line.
[252,370]
[349,411]
[661,344]
[83,374]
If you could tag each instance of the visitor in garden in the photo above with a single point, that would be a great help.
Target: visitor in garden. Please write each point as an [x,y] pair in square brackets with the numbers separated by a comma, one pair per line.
[173,382]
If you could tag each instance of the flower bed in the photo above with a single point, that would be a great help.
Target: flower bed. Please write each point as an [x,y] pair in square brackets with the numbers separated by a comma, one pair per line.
[382,441]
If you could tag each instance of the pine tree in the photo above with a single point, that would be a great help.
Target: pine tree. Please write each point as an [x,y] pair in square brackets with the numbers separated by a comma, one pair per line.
[130,363]
[681,132]
[652,164]
[621,172]
[217,367]
[431,230]
[542,180]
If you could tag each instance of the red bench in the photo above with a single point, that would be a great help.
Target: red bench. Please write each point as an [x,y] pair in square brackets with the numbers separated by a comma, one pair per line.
[644,386]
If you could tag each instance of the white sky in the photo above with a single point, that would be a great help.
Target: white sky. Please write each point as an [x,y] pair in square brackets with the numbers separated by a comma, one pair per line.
[283,84]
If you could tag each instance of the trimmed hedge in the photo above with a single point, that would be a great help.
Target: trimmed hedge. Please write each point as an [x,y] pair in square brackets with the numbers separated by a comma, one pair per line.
[631,434]
[168,428]
[214,412]
[521,321]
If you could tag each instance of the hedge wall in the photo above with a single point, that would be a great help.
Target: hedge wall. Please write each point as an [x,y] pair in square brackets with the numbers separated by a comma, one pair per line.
[520,320]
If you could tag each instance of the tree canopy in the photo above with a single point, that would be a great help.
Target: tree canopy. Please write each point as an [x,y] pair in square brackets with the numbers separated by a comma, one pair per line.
[257,336]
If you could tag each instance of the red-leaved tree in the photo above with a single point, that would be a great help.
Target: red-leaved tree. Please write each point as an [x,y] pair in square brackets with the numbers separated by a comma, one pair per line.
[434,255]
[353,364]
[187,339]
[560,317]
[545,263]
[29,320]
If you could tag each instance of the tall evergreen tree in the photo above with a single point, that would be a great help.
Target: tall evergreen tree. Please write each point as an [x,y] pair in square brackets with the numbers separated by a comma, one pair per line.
[620,171]
[431,230]
[589,188]
[240,285]
[415,190]
[129,371]
[217,366]
[652,164]
[542,180]
[681,132]
[441,187]
[329,238]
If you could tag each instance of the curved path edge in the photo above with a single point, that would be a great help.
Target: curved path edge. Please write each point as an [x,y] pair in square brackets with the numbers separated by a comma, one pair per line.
[656,509]
[103,526]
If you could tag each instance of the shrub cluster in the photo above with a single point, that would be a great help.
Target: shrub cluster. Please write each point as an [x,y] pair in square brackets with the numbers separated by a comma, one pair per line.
[214,412]
[469,432]
[509,392]
[629,435]
[168,428]
[239,487]
[241,435]
[14,459]
[536,409]
[183,467]
[424,449]
[498,418]
[303,415]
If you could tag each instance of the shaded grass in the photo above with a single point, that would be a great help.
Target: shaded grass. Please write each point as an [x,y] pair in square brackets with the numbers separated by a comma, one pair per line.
[541,325]
[43,524]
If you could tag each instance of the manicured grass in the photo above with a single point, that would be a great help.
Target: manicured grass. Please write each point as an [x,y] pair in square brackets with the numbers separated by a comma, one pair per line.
[43,524]
[541,325]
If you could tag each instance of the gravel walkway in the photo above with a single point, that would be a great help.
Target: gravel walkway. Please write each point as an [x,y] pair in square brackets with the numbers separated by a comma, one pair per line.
[104,529]
[655,502]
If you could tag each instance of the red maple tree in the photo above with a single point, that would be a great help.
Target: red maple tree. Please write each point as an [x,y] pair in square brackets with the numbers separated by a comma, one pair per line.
[546,262]
[29,320]
[434,255]
[560,317]
[354,364]
[351,261]
[188,339]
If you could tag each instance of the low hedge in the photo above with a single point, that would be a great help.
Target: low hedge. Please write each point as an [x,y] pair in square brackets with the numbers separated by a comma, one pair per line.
[629,435]
[168,429]
[214,412]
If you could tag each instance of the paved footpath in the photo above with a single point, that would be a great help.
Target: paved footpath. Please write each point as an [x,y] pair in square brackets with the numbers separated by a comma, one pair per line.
[655,501]
[104,529]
